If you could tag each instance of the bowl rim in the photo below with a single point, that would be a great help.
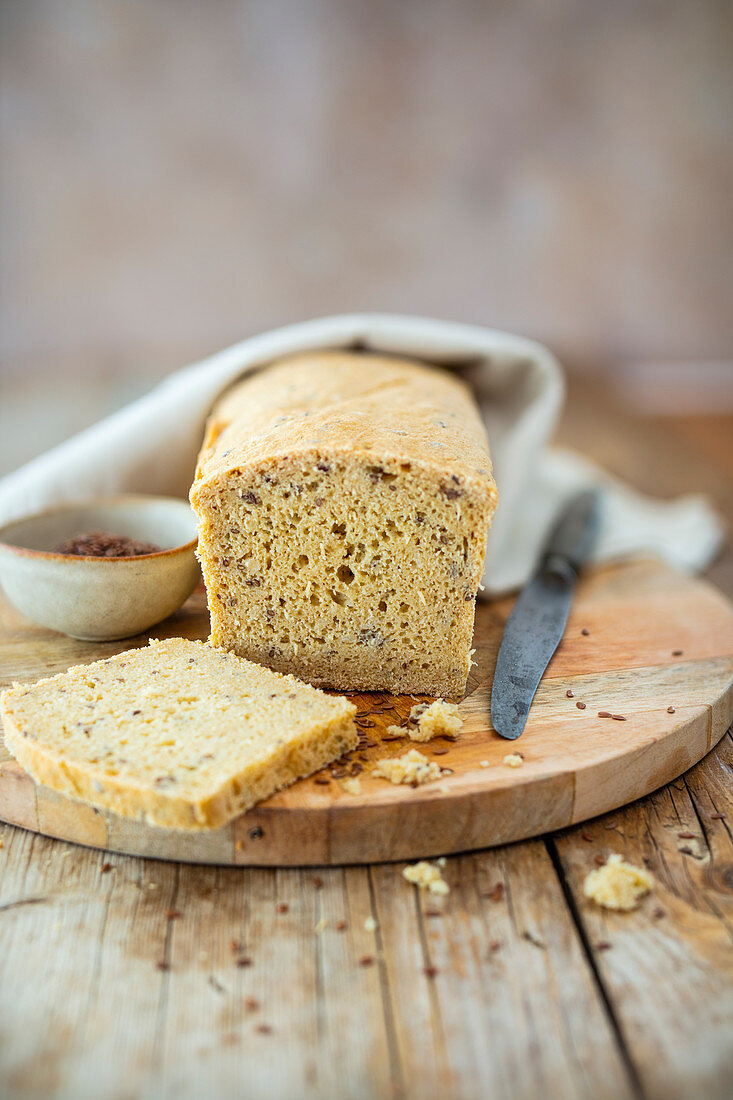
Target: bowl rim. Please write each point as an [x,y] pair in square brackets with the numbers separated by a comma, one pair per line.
[91,502]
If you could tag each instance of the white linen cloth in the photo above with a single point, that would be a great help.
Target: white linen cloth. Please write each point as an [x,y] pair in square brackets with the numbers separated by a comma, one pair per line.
[151,445]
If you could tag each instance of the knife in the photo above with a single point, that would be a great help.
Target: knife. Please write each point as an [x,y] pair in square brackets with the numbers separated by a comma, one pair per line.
[535,627]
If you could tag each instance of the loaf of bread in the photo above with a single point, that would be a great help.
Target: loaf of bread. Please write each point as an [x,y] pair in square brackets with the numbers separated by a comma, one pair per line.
[343,502]
[179,733]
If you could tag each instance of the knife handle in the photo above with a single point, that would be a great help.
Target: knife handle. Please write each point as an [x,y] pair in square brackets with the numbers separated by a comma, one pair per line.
[575,532]
[560,567]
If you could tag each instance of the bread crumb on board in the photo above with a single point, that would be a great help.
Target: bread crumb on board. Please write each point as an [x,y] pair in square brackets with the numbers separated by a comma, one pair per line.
[438,719]
[395,731]
[351,786]
[370,925]
[426,876]
[513,760]
[412,768]
[617,884]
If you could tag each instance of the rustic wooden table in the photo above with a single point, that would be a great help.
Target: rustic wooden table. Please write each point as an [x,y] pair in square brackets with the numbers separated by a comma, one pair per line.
[122,978]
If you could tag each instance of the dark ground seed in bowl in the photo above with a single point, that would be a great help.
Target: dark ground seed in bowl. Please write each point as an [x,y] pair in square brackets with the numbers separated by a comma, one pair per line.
[102,544]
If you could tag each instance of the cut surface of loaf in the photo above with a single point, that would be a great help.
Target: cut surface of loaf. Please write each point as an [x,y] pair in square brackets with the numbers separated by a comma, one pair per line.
[179,733]
[344,501]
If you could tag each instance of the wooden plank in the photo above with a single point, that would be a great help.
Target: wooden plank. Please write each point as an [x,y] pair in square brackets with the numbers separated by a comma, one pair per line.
[656,639]
[512,1009]
[188,1027]
[53,912]
[348,1011]
[667,968]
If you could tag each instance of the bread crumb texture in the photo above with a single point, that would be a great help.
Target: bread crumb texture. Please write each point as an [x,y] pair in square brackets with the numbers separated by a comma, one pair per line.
[513,760]
[617,885]
[343,502]
[413,769]
[180,733]
[352,785]
[426,876]
[438,719]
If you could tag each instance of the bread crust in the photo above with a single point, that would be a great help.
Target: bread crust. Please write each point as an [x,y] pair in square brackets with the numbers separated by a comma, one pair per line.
[352,403]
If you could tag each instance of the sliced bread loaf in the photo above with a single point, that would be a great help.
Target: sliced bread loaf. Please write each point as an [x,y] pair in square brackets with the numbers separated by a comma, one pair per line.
[180,733]
[343,503]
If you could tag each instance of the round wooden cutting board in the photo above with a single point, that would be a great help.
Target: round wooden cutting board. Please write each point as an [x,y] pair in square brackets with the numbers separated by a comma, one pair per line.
[642,641]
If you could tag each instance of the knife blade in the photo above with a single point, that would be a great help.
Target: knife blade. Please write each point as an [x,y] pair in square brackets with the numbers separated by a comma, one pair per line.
[535,627]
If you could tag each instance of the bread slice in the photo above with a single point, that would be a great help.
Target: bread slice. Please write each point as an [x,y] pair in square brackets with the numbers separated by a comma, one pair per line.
[179,733]
[344,501]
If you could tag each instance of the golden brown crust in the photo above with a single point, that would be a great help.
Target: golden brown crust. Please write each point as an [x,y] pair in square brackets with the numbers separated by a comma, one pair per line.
[351,403]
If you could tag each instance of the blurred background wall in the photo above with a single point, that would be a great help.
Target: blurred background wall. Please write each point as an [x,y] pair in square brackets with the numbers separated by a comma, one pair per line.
[178,174]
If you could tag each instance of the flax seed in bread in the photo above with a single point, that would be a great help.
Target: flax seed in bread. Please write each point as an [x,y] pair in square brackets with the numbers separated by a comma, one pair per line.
[179,733]
[343,502]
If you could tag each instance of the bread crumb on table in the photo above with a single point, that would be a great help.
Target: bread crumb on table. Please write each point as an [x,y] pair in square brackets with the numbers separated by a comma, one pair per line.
[370,925]
[484,764]
[426,876]
[513,760]
[438,719]
[617,884]
[412,768]
[351,786]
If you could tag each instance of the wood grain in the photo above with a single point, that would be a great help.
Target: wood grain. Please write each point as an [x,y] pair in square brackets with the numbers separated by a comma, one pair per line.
[656,639]
[341,1012]
[668,972]
[507,941]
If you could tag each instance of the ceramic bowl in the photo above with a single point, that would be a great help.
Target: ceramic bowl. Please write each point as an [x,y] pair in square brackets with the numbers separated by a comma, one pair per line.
[101,599]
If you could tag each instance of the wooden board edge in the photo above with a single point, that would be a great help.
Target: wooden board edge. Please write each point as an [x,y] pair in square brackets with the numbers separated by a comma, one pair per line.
[466,822]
